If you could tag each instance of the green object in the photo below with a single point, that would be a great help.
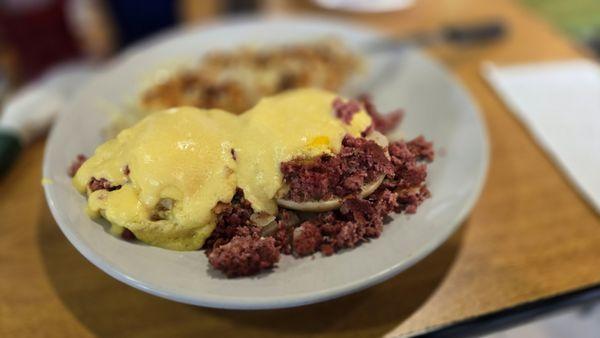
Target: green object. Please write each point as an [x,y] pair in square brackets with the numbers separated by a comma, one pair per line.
[578,18]
[10,147]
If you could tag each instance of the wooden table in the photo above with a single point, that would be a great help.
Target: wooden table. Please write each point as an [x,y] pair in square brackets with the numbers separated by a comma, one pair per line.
[530,237]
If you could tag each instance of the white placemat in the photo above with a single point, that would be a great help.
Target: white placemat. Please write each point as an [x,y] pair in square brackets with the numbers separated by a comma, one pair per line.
[559,102]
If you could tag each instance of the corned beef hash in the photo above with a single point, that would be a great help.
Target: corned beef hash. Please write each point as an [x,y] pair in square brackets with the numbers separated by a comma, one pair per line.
[301,172]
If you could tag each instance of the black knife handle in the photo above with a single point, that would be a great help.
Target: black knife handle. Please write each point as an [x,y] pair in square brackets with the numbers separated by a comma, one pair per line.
[10,147]
[474,33]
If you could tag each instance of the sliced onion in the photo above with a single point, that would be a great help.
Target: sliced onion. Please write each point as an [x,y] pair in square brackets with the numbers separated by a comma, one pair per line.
[378,138]
[269,229]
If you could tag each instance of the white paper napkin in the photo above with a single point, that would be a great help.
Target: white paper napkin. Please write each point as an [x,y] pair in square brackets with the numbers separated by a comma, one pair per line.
[559,102]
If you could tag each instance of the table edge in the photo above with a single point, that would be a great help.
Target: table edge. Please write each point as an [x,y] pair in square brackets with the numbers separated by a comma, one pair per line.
[514,315]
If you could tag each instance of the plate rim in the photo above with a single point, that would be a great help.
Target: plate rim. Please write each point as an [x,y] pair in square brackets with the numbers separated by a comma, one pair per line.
[285,301]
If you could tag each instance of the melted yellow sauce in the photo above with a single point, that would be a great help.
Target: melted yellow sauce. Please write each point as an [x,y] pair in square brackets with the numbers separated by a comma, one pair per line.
[182,158]
[182,155]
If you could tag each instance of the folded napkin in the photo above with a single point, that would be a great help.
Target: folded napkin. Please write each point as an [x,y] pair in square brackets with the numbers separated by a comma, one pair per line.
[559,102]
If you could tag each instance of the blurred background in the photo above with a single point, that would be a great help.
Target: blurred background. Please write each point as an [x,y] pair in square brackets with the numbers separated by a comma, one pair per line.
[38,35]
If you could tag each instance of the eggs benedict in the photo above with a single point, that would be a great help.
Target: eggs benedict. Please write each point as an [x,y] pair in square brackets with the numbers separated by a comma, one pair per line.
[187,178]
[161,178]
[300,124]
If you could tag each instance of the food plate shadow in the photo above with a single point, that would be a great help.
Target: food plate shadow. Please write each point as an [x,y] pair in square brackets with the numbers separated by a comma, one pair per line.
[107,307]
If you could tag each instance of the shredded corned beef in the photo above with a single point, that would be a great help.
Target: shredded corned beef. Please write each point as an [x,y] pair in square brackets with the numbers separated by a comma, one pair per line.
[359,162]
[127,235]
[409,200]
[102,184]
[76,165]
[243,256]
[421,148]
[356,221]
[345,110]
[287,220]
[306,239]
[236,246]
[409,172]
[381,123]
[233,219]
[359,219]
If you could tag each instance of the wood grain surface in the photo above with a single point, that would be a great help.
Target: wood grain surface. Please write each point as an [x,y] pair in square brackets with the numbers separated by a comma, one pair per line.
[529,237]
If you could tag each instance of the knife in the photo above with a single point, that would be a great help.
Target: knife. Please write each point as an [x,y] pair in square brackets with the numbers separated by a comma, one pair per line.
[459,35]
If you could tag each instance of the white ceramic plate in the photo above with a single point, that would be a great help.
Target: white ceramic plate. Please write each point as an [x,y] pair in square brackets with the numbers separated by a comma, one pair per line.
[436,105]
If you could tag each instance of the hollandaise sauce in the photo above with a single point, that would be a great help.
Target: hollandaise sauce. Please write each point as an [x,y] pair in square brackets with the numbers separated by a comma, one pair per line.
[172,168]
